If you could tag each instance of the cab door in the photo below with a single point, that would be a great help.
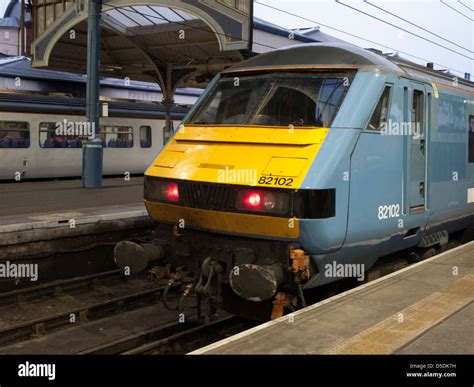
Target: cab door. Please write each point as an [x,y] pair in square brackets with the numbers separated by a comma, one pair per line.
[419,117]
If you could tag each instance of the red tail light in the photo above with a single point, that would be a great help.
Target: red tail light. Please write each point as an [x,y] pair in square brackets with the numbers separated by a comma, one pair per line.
[253,200]
[161,190]
[172,192]
[262,201]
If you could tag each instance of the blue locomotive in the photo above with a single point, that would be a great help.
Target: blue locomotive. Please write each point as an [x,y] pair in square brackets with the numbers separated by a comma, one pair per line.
[307,164]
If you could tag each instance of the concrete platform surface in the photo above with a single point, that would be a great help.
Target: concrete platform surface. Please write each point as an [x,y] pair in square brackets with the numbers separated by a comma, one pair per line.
[427,308]
[26,199]
[32,212]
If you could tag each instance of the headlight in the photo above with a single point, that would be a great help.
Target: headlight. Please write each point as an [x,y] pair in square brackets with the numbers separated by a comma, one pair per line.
[161,191]
[262,201]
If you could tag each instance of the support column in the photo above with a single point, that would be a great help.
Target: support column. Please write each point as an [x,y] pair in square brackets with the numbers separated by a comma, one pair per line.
[168,102]
[168,85]
[92,152]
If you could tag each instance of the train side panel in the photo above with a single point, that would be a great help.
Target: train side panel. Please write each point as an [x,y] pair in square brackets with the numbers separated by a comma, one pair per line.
[368,175]
[450,173]
[402,187]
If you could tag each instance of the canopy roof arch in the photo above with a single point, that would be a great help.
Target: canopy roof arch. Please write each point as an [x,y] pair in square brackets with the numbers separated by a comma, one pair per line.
[175,43]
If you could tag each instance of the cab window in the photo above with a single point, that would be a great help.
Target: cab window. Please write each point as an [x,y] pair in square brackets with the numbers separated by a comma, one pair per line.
[274,99]
[380,115]
[417,109]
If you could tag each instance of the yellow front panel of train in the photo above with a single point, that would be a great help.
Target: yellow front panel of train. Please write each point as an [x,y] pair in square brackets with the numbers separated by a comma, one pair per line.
[262,156]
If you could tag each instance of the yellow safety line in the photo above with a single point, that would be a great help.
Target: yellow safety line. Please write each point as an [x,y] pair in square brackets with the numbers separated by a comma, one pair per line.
[396,331]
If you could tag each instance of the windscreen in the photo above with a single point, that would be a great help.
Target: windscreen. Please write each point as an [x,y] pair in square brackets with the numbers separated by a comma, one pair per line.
[276,99]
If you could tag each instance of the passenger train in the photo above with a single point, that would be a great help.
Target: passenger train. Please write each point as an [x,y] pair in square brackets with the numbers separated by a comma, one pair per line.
[352,155]
[30,147]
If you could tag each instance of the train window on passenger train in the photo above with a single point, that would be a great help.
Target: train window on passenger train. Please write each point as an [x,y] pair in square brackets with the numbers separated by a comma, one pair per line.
[145,136]
[51,136]
[114,136]
[471,139]
[276,99]
[380,115]
[14,134]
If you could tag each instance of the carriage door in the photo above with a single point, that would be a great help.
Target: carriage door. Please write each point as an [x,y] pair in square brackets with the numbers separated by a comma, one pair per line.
[418,122]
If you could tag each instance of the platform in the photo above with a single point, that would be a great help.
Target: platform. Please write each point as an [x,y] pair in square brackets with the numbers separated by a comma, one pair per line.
[426,308]
[32,212]
[20,201]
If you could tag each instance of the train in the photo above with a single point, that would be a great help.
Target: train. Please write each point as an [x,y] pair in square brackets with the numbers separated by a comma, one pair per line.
[32,145]
[305,165]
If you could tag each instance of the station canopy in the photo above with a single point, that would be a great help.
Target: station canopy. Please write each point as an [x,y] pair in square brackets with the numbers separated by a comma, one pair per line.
[175,43]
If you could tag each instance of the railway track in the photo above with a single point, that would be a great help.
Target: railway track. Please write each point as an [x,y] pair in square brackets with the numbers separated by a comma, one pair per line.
[78,291]
[176,338]
[60,287]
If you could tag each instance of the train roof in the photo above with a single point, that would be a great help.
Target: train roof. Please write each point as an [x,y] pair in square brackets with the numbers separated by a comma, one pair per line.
[316,55]
[334,55]
[428,73]
[63,105]
[20,66]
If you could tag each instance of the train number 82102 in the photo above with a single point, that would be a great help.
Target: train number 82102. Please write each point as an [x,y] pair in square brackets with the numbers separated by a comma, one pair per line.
[279,181]
[388,212]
